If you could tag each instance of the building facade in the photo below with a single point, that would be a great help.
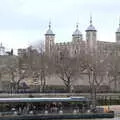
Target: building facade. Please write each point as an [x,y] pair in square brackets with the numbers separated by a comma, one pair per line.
[78,44]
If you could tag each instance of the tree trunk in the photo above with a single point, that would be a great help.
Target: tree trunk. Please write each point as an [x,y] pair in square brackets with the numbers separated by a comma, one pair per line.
[93,77]
[115,83]
[68,86]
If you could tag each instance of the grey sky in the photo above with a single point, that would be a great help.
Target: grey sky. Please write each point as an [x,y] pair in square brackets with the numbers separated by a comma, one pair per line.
[23,22]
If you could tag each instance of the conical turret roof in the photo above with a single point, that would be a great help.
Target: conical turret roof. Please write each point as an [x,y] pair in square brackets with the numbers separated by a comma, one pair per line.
[77,31]
[91,27]
[49,31]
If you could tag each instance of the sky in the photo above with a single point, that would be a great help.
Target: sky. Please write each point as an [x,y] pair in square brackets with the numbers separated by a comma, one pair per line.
[24,22]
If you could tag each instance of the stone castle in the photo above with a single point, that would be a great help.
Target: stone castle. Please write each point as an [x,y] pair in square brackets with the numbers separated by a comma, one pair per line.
[78,44]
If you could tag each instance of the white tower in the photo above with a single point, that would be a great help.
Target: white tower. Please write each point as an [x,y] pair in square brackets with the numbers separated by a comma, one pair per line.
[91,35]
[49,40]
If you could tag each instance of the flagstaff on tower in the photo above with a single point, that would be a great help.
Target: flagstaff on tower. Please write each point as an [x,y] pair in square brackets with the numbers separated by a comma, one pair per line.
[77,25]
[49,24]
[90,20]
[118,33]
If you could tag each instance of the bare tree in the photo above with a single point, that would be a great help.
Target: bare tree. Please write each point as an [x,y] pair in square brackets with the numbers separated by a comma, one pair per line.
[114,69]
[16,72]
[3,72]
[39,64]
[95,67]
[66,69]
[43,66]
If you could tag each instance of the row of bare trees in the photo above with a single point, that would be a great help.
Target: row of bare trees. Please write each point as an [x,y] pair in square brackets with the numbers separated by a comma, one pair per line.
[37,64]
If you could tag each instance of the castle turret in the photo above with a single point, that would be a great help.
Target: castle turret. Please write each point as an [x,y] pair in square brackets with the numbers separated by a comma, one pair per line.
[49,40]
[118,33]
[91,35]
[76,36]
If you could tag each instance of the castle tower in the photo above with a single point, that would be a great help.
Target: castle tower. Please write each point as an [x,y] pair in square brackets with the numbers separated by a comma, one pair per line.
[76,36]
[91,35]
[49,40]
[118,33]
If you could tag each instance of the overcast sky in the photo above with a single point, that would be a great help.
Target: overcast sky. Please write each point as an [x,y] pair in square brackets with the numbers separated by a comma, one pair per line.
[23,22]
